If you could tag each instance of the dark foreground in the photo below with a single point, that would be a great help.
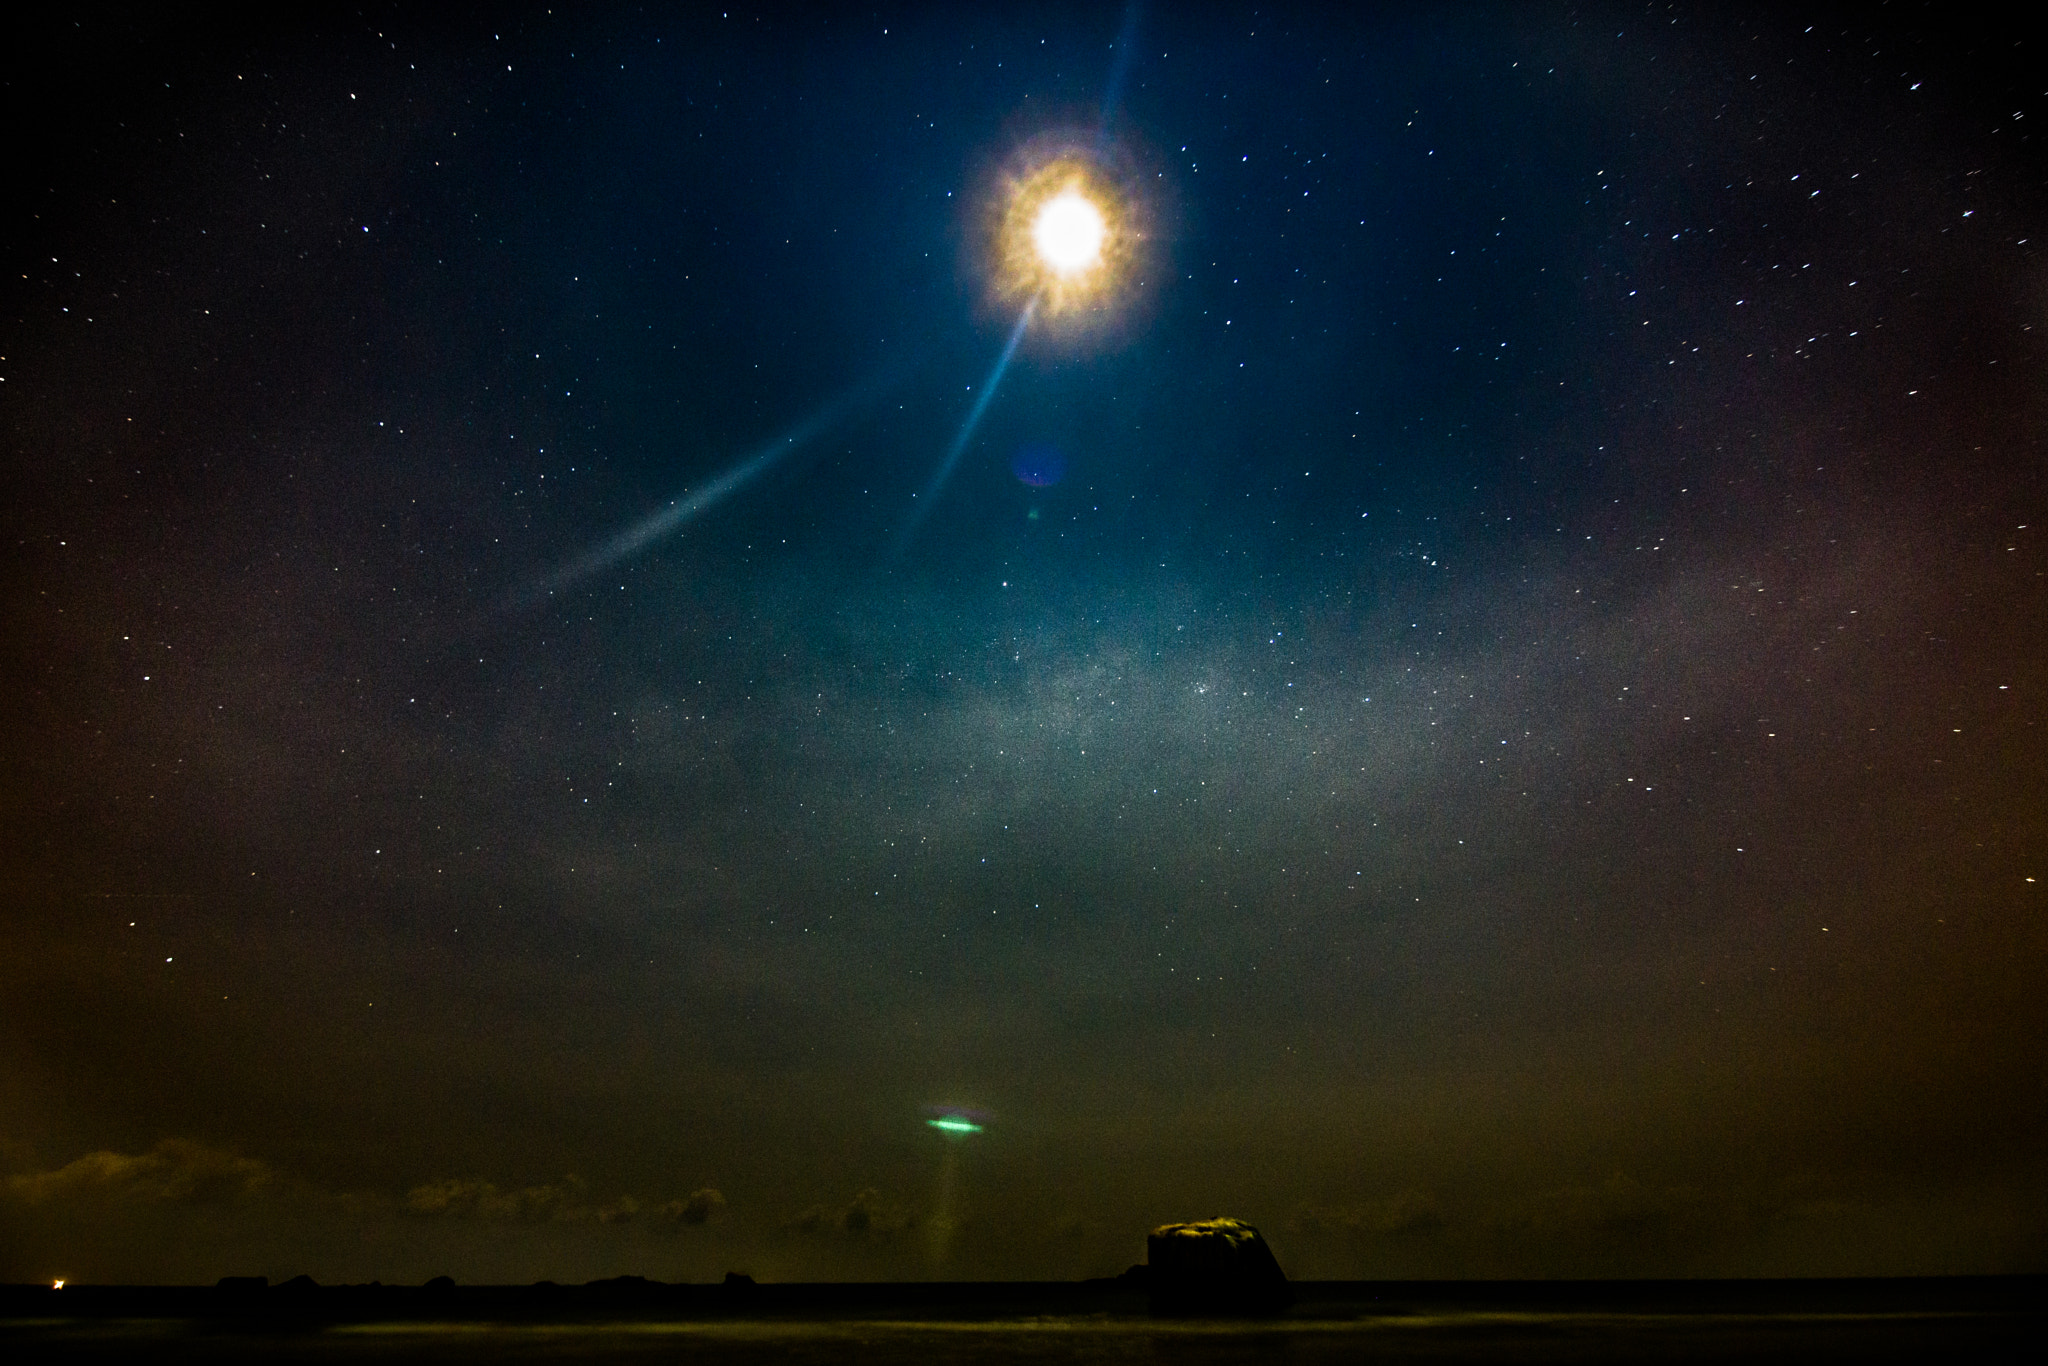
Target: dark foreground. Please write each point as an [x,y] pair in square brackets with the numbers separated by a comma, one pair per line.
[1942,1319]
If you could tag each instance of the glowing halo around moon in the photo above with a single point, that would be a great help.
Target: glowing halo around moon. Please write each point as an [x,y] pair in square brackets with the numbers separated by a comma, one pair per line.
[1067,231]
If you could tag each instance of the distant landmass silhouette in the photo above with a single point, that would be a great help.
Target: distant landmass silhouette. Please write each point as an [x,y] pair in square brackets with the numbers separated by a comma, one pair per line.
[1966,1318]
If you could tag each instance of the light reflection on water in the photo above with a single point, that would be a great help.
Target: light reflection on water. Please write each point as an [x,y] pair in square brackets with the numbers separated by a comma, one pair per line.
[1411,1337]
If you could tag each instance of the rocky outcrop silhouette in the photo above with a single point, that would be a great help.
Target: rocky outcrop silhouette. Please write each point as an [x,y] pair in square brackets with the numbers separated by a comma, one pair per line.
[1214,1267]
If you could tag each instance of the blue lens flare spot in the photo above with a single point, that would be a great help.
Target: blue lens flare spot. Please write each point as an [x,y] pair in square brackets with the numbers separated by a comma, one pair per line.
[1039,466]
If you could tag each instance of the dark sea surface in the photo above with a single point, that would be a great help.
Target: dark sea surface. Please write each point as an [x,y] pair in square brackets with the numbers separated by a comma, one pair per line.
[1992,1319]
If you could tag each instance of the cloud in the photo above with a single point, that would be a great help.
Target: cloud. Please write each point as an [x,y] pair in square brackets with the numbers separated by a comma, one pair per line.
[460,1198]
[179,1171]
[623,1210]
[1408,1214]
[696,1209]
[175,1171]
[564,1202]
[1619,1207]
[867,1215]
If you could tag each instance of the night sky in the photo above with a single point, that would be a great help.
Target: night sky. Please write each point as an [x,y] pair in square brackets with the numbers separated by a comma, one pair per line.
[1480,707]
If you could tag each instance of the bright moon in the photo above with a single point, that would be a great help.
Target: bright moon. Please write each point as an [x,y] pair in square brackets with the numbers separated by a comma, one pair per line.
[1069,233]
[1066,237]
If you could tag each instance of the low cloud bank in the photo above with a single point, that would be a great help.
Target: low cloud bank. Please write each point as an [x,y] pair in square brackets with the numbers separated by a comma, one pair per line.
[868,1214]
[176,1171]
[566,1202]
[179,1171]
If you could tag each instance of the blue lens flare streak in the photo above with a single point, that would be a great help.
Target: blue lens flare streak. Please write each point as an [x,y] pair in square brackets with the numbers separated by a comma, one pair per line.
[953,452]
[696,502]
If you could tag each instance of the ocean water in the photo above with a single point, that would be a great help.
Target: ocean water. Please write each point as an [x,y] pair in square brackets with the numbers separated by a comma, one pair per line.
[1465,1334]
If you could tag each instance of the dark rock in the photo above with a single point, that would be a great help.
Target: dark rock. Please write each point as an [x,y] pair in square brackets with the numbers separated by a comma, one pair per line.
[738,1288]
[1217,1266]
[440,1285]
[299,1285]
[242,1285]
[635,1289]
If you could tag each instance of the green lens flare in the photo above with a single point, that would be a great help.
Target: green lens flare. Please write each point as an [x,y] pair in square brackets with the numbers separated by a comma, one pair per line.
[954,1125]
